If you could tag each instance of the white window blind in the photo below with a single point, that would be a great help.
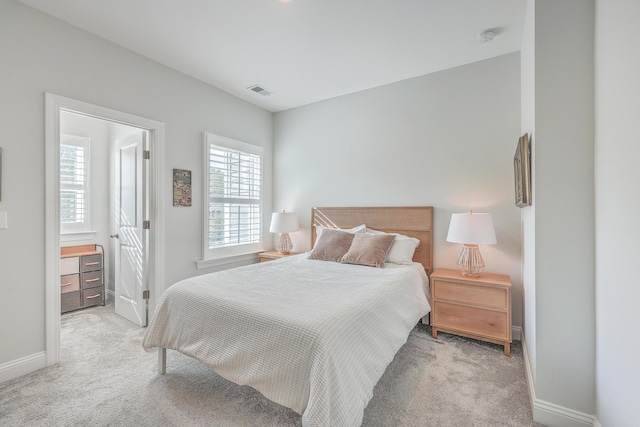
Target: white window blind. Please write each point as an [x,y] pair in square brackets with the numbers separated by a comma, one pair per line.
[74,184]
[234,197]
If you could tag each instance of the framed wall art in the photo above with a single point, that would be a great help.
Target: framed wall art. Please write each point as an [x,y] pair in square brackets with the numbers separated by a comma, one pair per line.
[181,187]
[522,172]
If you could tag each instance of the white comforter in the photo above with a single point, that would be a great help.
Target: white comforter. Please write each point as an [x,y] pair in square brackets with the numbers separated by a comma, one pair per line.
[315,336]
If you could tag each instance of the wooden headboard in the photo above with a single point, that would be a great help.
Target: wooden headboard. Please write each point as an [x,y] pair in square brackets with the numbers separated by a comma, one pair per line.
[413,221]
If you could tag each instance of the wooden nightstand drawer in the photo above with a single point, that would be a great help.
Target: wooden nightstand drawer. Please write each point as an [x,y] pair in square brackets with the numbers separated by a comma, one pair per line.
[471,320]
[475,307]
[470,294]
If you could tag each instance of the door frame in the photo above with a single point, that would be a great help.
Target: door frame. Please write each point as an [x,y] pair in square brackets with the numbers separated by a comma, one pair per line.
[53,105]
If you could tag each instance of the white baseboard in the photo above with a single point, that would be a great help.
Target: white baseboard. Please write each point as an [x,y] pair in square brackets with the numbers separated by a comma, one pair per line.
[23,366]
[516,333]
[550,414]
[553,415]
[110,295]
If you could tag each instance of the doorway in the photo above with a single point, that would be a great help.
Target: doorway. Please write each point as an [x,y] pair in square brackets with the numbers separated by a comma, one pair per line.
[103,203]
[56,105]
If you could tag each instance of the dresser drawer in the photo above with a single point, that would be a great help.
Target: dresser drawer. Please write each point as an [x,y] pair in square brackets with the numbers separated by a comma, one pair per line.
[70,301]
[92,296]
[91,263]
[69,265]
[69,283]
[470,320]
[484,296]
[91,279]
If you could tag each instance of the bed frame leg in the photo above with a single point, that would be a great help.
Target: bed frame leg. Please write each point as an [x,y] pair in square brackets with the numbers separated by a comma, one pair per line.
[162,360]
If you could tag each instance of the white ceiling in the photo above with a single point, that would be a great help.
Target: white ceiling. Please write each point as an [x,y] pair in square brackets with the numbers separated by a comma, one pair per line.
[302,50]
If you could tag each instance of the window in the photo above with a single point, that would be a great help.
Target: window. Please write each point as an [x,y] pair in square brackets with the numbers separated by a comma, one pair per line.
[74,184]
[233,195]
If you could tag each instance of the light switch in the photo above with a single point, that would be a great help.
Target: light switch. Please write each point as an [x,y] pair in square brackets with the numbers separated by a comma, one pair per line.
[3,220]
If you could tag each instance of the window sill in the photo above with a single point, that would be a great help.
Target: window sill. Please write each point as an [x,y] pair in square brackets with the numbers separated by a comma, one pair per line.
[227,261]
[72,237]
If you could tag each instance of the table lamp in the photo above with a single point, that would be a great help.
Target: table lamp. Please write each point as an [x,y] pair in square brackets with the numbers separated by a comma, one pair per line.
[471,229]
[284,223]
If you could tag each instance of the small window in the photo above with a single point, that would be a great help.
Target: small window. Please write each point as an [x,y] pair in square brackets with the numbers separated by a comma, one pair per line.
[233,195]
[74,184]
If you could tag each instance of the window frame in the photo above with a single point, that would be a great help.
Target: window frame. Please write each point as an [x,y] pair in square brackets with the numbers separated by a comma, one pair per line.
[237,250]
[85,225]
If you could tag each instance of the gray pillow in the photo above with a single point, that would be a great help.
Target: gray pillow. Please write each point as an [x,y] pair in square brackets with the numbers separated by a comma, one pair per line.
[332,245]
[368,249]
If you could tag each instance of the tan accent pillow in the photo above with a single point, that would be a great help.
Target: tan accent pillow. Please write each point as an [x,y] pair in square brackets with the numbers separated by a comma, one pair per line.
[332,245]
[402,249]
[357,229]
[368,249]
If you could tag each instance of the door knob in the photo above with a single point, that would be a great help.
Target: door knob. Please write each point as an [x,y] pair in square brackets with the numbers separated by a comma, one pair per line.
[115,236]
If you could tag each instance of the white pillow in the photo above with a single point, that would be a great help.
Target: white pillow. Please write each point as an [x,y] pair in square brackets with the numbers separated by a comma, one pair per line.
[402,248]
[372,231]
[357,229]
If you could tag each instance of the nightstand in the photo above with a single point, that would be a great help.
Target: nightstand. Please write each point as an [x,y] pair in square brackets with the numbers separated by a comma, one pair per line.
[271,255]
[474,307]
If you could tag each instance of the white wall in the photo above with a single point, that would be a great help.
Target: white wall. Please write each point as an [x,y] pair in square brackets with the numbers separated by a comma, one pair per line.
[41,54]
[617,206]
[561,223]
[565,242]
[445,139]
[528,124]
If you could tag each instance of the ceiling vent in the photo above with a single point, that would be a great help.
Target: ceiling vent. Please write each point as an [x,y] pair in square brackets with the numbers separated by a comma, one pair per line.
[260,89]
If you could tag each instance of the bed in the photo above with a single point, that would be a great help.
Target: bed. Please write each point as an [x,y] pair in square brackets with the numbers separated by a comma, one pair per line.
[312,335]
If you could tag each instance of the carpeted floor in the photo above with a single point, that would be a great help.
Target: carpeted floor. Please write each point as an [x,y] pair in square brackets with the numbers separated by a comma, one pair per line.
[106,379]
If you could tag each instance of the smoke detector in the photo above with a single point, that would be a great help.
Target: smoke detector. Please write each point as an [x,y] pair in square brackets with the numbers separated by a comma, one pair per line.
[260,89]
[485,36]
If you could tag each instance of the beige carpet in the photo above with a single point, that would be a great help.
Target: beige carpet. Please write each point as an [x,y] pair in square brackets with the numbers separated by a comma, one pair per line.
[106,379]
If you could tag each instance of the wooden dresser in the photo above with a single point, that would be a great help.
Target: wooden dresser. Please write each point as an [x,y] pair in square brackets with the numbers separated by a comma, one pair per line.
[475,307]
[81,277]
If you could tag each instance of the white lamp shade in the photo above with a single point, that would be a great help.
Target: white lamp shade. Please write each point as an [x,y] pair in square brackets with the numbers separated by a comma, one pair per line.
[284,222]
[472,229]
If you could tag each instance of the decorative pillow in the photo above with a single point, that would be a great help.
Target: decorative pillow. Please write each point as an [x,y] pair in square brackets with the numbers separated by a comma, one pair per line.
[332,245]
[402,249]
[357,229]
[368,249]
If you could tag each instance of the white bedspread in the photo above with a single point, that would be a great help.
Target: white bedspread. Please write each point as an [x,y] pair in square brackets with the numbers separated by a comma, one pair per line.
[315,336]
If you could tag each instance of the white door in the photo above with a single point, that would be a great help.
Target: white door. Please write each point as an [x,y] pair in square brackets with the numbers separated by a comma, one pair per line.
[130,238]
